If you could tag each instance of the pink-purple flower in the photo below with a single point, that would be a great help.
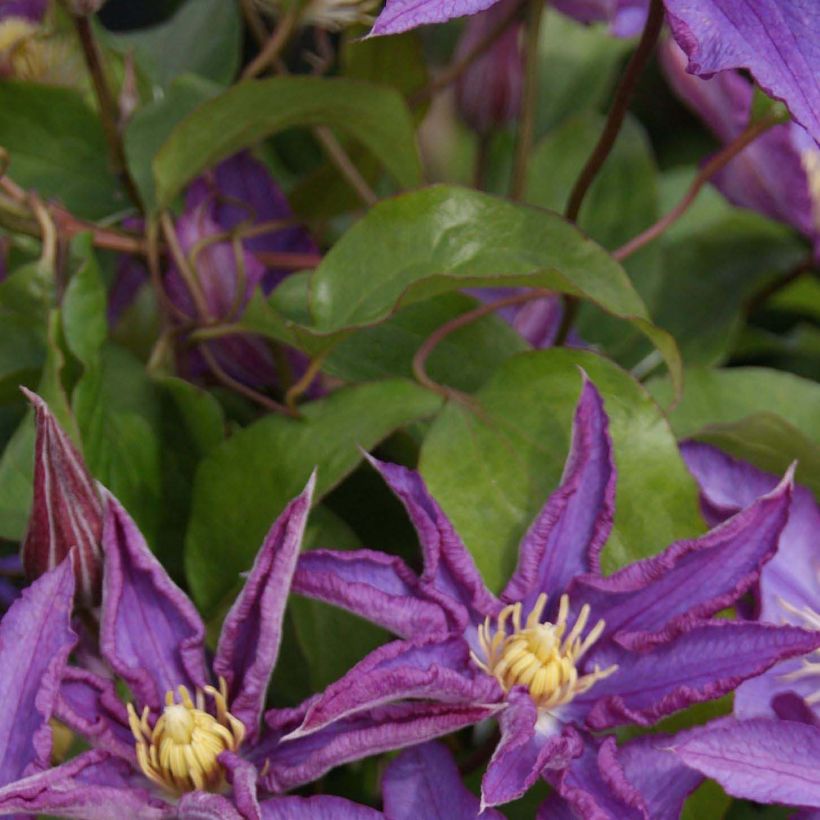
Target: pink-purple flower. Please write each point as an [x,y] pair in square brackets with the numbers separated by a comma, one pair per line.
[564,651]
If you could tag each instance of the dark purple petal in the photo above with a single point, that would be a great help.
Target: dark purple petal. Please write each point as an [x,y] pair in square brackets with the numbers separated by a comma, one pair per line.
[526,750]
[241,190]
[89,706]
[657,774]
[703,663]
[424,781]
[488,92]
[375,586]
[35,641]
[32,10]
[243,777]
[567,536]
[130,276]
[150,632]
[768,761]
[776,40]
[625,17]
[293,763]
[690,579]
[252,631]
[595,787]
[436,670]
[727,485]
[450,574]
[66,510]
[322,807]
[91,786]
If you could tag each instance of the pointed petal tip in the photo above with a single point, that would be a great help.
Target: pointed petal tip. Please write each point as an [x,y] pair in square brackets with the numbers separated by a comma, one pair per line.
[36,400]
[310,487]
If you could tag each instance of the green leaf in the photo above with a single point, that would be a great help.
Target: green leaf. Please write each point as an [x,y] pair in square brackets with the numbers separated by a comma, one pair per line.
[117,412]
[151,125]
[464,360]
[444,238]
[578,66]
[247,481]
[729,395]
[492,470]
[57,147]
[374,115]
[188,43]
[84,306]
[709,274]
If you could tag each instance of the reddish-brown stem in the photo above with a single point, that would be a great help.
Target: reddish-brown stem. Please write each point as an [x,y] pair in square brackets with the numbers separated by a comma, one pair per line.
[729,152]
[109,113]
[442,332]
[617,112]
[273,47]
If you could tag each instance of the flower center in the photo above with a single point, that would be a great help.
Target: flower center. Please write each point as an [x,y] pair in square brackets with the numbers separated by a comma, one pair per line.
[539,655]
[180,753]
[810,667]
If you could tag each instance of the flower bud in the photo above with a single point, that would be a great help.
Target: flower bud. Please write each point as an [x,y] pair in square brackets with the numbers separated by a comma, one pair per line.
[66,511]
[488,93]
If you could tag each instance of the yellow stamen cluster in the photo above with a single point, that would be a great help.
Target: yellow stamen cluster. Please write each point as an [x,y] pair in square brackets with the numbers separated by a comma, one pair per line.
[538,655]
[810,667]
[180,753]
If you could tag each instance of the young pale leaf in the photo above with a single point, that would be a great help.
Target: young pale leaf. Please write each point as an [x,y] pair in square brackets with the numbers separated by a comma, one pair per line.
[245,483]
[492,469]
[375,116]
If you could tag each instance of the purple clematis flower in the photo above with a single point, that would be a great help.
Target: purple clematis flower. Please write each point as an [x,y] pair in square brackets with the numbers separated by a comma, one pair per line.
[537,321]
[31,10]
[238,195]
[789,589]
[565,650]
[778,174]
[186,737]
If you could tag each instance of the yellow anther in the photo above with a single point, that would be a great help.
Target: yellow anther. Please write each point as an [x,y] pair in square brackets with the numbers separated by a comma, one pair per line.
[538,655]
[180,752]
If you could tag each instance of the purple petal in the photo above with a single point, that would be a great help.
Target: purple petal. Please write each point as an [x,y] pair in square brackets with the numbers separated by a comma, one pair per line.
[754,698]
[402,15]
[150,632]
[595,787]
[35,641]
[690,579]
[776,40]
[768,761]
[293,763]
[375,586]
[657,774]
[32,10]
[703,663]
[89,706]
[526,750]
[252,631]
[66,510]
[424,781]
[769,176]
[437,670]
[91,786]
[625,17]
[567,536]
[206,806]
[322,807]
[450,574]
[727,485]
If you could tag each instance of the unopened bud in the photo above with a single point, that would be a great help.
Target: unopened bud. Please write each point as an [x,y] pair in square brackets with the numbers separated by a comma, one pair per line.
[489,91]
[67,511]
